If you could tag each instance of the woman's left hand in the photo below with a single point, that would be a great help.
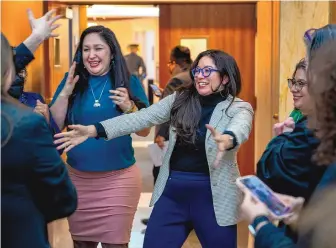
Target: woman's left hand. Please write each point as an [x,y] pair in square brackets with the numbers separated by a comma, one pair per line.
[121,98]
[251,208]
[223,143]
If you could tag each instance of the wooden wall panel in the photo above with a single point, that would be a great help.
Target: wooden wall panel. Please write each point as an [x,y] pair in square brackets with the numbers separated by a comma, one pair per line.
[15,26]
[229,27]
[57,71]
[332,12]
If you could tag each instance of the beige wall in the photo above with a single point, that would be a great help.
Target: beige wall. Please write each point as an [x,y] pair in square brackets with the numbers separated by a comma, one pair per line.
[295,19]
[126,29]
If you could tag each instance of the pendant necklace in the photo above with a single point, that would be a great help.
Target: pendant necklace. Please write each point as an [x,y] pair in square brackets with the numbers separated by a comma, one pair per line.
[96,101]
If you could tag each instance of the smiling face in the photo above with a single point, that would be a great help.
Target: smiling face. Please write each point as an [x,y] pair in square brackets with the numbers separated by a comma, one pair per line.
[299,90]
[207,78]
[96,54]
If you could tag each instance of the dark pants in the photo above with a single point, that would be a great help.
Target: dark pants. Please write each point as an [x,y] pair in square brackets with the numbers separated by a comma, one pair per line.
[186,204]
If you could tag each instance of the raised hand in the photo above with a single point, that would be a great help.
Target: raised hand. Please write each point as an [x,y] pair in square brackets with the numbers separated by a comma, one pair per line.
[223,143]
[70,82]
[121,98]
[43,27]
[76,136]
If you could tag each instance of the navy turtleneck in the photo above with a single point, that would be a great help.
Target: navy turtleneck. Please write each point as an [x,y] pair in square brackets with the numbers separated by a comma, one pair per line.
[192,157]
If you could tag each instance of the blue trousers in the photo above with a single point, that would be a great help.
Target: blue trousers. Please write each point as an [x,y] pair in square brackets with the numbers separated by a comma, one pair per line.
[186,204]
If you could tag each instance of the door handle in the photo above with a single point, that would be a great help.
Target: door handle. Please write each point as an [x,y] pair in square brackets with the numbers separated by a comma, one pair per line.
[276,116]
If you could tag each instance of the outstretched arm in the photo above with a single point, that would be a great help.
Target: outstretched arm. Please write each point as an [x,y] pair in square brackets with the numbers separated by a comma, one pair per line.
[119,126]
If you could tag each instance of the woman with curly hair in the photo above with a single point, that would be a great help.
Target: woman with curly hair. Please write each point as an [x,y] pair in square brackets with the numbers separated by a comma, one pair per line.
[322,88]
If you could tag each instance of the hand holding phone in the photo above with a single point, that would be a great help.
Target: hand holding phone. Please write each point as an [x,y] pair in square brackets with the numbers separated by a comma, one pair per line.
[156,90]
[278,209]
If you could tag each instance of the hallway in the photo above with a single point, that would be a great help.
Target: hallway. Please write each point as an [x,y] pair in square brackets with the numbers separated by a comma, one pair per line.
[60,237]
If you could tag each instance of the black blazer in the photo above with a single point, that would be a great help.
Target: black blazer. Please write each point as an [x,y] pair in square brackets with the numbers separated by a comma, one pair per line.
[35,186]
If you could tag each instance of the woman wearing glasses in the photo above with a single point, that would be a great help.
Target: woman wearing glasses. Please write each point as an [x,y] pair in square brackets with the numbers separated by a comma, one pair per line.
[286,165]
[196,186]
[313,223]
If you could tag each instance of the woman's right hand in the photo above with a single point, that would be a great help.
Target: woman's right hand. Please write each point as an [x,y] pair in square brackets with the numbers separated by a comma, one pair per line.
[70,82]
[76,136]
[295,204]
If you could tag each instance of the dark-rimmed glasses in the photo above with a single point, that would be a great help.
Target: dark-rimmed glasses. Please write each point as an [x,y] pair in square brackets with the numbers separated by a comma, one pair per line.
[206,71]
[298,85]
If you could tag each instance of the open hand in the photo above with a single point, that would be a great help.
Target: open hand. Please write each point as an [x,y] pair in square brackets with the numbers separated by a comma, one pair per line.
[121,98]
[76,136]
[223,143]
[43,27]
[42,109]
[70,82]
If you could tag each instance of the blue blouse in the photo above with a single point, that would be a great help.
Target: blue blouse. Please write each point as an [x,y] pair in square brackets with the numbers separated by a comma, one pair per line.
[100,155]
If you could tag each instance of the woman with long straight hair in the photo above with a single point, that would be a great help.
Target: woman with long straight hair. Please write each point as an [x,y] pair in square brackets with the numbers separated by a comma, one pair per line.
[97,87]
[196,184]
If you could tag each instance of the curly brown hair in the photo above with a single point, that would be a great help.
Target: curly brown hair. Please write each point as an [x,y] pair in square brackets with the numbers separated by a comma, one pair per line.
[322,88]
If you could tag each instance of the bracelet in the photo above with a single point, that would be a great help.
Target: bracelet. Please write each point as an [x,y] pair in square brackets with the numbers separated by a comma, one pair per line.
[132,109]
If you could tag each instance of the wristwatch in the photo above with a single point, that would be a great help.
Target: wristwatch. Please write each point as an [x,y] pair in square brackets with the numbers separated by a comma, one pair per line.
[259,219]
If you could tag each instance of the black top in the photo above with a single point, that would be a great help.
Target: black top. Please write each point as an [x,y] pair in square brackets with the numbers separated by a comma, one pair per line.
[192,157]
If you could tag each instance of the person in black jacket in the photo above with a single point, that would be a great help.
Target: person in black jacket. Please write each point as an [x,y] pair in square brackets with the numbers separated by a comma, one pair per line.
[35,185]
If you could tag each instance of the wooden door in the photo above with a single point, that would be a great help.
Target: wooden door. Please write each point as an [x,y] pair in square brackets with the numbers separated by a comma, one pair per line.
[230,27]
[59,50]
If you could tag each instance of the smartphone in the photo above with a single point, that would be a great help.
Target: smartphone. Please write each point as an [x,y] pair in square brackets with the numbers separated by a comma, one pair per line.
[261,192]
[156,90]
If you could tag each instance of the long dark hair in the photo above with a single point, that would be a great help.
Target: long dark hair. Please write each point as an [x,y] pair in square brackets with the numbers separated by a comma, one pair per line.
[186,110]
[120,76]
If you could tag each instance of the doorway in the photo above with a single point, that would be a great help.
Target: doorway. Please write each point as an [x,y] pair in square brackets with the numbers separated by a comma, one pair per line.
[230,27]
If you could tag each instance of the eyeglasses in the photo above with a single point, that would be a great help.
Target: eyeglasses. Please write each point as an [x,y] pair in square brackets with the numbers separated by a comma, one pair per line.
[206,71]
[298,85]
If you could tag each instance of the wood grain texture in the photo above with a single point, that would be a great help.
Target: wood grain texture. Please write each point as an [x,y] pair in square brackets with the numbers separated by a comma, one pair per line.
[229,27]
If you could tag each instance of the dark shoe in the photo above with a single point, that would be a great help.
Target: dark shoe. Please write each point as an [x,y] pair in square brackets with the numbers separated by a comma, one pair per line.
[144,221]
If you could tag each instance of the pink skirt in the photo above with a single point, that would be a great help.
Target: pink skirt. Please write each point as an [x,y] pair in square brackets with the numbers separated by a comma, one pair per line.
[107,202]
